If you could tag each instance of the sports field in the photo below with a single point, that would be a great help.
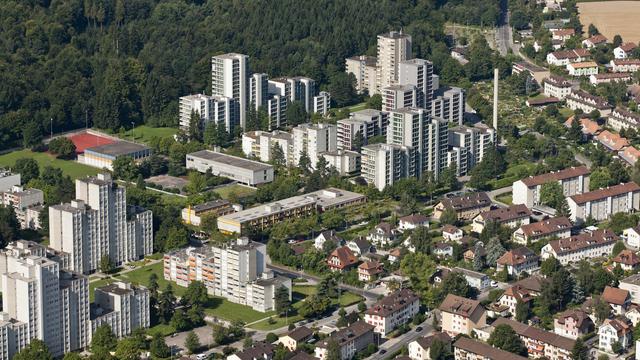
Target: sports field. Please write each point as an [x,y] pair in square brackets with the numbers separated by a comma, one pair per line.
[73,169]
[83,141]
[612,18]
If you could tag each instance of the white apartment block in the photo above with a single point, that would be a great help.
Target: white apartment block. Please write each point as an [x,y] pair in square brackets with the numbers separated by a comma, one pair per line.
[582,68]
[556,86]
[367,122]
[219,110]
[322,103]
[393,48]
[399,96]
[297,88]
[448,104]
[363,68]
[602,203]
[236,272]
[579,99]
[428,136]
[632,285]
[95,224]
[277,111]
[574,180]
[623,119]
[419,73]
[467,146]
[625,65]
[230,78]
[258,90]
[41,301]
[385,164]
[260,145]
[344,161]
[22,201]
[583,246]
[395,309]
[313,139]
[8,180]
[122,306]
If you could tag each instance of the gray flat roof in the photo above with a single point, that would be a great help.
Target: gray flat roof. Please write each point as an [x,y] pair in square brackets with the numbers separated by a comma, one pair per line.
[230,160]
[118,148]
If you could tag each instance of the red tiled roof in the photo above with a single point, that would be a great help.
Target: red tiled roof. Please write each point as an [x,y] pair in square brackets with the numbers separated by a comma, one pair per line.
[627,257]
[584,240]
[604,193]
[516,256]
[505,214]
[548,226]
[534,333]
[564,174]
[458,305]
[628,46]
[597,39]
[393,303]
[614,295]
[612,140]
[345,256]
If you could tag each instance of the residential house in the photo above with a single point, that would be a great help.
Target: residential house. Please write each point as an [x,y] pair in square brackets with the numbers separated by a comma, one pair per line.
[563,34]
[452,233]
[574,180]
[470,254]
[369,271]
[589,127]
[467,349]
[585,68]
[475,279]
[632,285]
[596,79]
[412,221]
[539,342]
[630,154]
[602,203]
[579,99]
[359,246]
[624,50]
[612,141]
[595,40]
[617,330]
[443,249]
[633,314]
[573,323]
[625,65]
[395,254]
[557,227]
[351,340]
[512,216]
[627,260]
[632,236]
[521,291]
[393,310]
[383,234]
[588,245]
[419,349]
[258,351]
[341,259]
[295,337]
[461,315]
[328,235]
[618,299]
[623,119]
[466,206]
[439,275]
[565,57]
[556,86]
[517,261]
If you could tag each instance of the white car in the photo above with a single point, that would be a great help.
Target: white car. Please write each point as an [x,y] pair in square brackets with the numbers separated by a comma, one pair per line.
[201,356]
[494,283]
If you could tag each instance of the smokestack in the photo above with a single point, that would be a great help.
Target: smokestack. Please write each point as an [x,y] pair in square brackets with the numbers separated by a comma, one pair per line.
[495,99]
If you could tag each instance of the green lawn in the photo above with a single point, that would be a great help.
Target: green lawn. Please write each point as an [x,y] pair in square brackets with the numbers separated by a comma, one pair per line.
[73,169]
[141,275]
[565,112]
[239,191]
[164,329]
[227,310]
[144,133]
[505,198]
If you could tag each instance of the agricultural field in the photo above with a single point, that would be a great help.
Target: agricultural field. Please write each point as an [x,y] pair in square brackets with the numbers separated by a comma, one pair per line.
[612,18]
[73,169]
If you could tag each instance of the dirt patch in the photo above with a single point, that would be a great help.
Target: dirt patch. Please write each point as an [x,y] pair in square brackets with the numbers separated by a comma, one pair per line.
[612,18]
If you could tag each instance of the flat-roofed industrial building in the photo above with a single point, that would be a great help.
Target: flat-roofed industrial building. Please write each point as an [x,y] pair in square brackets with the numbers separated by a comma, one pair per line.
[232,167]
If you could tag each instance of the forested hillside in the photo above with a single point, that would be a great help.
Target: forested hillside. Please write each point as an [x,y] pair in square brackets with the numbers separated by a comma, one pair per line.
[121,61]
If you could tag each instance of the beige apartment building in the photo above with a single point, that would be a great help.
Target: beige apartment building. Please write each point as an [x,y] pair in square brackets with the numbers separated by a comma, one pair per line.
[461,315]
[574,180]
[602,203]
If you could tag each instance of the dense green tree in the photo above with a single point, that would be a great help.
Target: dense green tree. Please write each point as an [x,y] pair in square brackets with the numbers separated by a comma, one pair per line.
[125,168]
[281,299]
[439,350]
[195,127]
[195,294]
[27,168]
[192,342]
[31,134]
[375,102]
[9,225]
[549,266]
[106,266]
[63,147]
[296,113]
[127,349]
[342,87]
[36,350]
[158,346]
[592,30]
[333,350]
[103,340]
[505,338]
[522,311]
[72,356]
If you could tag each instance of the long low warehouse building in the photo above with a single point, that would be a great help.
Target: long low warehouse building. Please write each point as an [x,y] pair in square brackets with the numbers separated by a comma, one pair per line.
[264,216]
[232,167]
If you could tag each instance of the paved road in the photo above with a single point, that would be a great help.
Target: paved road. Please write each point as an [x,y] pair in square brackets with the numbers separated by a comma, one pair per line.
[504,38]
[497,192]
[395,344]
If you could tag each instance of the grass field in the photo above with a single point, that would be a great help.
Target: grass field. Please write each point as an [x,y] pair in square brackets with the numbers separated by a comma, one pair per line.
[505,198]
[144,133]
[73,169]
[239,191]
[227,310]
[612,18]
[141,275]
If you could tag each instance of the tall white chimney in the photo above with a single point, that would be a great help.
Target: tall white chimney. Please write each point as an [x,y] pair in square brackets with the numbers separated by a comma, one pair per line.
[495,99]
